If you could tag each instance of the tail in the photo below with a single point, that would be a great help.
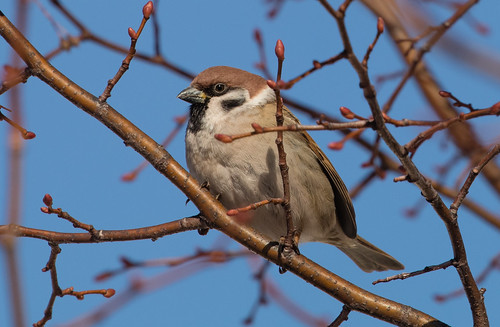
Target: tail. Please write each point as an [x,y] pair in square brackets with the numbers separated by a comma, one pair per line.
[369,257]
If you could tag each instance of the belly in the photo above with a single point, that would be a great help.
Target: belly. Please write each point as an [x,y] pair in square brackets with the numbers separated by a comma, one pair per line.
[243,174]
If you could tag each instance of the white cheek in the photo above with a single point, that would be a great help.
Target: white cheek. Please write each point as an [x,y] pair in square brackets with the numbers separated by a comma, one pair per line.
[238,119]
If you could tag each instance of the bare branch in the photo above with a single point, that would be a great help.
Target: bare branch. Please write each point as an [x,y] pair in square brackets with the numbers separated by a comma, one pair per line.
[427,269]
[472,176]
[152,232]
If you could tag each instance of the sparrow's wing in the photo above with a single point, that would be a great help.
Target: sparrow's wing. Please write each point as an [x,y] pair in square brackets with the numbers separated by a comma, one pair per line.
[343,205]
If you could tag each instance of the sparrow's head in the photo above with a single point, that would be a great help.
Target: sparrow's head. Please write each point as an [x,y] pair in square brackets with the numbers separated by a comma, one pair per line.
[222,92]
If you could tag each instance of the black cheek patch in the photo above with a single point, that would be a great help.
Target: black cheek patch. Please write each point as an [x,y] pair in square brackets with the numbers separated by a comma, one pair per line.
[232,103]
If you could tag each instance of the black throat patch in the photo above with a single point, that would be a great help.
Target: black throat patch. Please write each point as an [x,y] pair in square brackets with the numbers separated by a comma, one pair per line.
[196,113]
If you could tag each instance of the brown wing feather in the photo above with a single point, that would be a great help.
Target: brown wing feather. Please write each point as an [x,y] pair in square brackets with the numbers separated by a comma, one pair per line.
[343,204]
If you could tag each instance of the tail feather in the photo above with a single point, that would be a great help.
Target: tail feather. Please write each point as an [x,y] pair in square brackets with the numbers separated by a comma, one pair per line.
[369,257]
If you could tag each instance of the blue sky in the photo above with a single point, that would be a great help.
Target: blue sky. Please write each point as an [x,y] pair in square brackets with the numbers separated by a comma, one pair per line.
[79,162]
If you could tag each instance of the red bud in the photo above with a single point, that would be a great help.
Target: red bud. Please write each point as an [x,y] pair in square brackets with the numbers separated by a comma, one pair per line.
[482,29]
[180,119]
[109,293]
[132,33]
[257,128]
[103,276]
[44,209]
[224,138]
[280,50]
[29,135]
[257,36]
[232,212]
[380,25]
[147,10]
[271,84]
[444,94]
[336,145]
[410,212]
[259,65]
[129,176]
[47,199]
[495,109]
[439,298]
[346,112]
[316,64]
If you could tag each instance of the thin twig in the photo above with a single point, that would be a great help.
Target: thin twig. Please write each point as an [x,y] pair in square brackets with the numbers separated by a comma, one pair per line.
[47,199]
[380,30]
[27,135]
[414,144]
[343,316]
[56,289]
[316,66]
[293,128]
[147,10]
[289,242]
[472,176]
[427,269]
[260,277]
[150,232]
[254,206]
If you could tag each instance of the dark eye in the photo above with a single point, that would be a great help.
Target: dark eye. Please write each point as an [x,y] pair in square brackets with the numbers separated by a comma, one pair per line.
[219,88]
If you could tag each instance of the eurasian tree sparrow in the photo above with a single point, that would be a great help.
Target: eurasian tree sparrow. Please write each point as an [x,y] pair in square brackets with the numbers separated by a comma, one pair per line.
[226,100]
